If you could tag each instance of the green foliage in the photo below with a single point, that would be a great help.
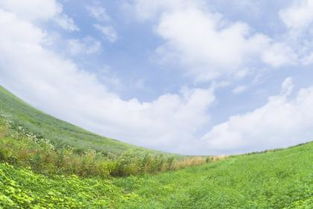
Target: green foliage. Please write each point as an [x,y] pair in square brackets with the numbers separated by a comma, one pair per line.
[281,179]
[30,138]
[59,133]
[21,188]
[23,148]
[33,144]
[42,157]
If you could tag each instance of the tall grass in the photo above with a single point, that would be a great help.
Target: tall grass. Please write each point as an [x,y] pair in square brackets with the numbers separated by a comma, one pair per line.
[20,147]
[30,138]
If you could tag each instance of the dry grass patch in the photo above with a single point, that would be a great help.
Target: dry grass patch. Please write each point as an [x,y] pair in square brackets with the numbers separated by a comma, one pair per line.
[191,161]
[218,158]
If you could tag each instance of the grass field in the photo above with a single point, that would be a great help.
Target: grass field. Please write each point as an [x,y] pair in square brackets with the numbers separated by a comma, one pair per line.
[58,132]
[47,163]
[281,179]
[30,138]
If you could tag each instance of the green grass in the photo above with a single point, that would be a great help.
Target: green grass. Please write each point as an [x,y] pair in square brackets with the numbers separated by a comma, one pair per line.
[21,188]
[47,163]
[281,179]
[58,132]
[30,138]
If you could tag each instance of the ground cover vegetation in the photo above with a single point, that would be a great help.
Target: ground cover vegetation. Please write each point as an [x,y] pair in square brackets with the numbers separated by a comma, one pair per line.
[48,163]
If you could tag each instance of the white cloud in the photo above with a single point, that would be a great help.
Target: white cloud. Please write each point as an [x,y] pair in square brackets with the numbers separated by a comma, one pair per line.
[298,19]
[108,32]
[104,22]
[86,45]
[99,13]
[287,87]
[149,9]
[279,54]
[32,9]
[39,10]
[281,122]
[66,22]
[56,85]
[171,122]
[205,44]
[308,60]
[239,89]
[299,15]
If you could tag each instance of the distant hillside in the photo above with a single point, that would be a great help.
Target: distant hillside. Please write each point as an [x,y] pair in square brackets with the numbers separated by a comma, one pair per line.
[30,138]
[57,131]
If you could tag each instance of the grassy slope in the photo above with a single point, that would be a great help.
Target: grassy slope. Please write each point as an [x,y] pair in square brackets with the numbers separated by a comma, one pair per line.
[30,138]
[281,179]
[57,131]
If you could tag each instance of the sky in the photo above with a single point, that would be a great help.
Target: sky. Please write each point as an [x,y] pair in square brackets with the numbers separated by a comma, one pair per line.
[205,77]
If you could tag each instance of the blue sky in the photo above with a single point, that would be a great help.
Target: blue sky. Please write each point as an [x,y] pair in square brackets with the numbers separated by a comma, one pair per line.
[184,76]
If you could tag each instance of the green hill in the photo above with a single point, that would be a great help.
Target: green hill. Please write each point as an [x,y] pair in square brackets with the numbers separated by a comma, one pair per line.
[58,132]
[31,138]
[281,179]
[44,164]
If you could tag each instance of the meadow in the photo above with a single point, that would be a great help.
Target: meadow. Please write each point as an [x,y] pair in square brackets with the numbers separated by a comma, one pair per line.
[280,179]
[31,138]
[48,163]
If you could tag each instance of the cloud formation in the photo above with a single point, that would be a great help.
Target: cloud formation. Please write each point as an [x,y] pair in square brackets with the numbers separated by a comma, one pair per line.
[39,11]
[108,32]
[298,15]
[57,85]
[205,44]
[87,45]
[298,18]
[285,120]
[103,24]
[99,13]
